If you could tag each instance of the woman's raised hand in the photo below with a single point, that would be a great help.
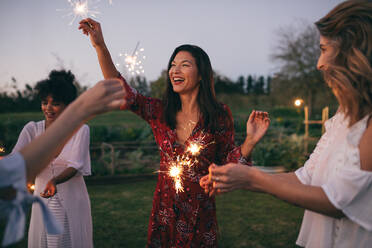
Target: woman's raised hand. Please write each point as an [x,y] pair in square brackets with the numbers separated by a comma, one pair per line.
[93,29]
[257,125]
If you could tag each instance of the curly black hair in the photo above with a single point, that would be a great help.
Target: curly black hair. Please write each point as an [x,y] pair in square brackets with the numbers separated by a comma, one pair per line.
[59,85]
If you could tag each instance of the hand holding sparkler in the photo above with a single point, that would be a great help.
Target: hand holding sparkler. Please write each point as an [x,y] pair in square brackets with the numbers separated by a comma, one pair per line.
[92,29]
[222,179]
[50,189]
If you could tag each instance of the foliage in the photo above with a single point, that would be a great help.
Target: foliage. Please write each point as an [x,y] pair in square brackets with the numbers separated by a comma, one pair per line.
[297,54]
[158,86]
[140,84]
[284,151]
[26,100]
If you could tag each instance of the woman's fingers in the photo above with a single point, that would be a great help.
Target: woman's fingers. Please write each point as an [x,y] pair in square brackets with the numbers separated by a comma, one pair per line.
[252,116]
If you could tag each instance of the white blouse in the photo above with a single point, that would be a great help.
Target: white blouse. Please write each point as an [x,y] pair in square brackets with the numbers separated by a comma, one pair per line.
[334,165]
[72,194]
[13,173]
[74,154]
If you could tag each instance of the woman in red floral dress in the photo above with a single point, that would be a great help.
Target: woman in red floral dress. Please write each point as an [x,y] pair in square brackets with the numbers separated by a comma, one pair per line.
[183,215]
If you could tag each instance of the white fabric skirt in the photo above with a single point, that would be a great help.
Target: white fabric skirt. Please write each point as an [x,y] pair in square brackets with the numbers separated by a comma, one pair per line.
[57,241]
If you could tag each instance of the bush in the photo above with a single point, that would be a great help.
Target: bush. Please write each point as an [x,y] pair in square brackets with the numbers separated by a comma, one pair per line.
[280,151]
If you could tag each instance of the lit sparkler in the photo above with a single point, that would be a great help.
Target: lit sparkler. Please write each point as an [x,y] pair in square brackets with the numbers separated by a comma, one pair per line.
[175,172]
[31,187]
[194,149]
[82,9]
[184,162]
[134,62]
[2,149]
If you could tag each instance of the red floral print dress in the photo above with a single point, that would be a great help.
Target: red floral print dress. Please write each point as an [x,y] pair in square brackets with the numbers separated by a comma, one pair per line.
[188,218]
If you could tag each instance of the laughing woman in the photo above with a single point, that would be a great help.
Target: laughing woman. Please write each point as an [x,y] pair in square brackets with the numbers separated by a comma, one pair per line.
[61,183]
[189,113]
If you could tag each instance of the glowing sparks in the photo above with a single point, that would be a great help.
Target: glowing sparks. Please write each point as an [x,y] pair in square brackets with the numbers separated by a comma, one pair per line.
[175,172]
[81,9]
[31,187]
[134,62]
[2,149]
[194,149]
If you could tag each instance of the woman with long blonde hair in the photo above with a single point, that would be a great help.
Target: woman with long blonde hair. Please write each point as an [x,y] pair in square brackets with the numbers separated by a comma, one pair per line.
[335,184]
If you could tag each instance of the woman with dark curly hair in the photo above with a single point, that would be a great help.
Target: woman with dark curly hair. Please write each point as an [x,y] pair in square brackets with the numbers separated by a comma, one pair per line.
[61,184]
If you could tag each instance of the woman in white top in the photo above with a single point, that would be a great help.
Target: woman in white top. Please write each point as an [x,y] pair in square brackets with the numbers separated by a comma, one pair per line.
[61,184]
[26,164]
[335,184]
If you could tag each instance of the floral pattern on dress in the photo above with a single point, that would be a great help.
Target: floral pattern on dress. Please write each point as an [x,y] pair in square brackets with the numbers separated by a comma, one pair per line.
[188,218]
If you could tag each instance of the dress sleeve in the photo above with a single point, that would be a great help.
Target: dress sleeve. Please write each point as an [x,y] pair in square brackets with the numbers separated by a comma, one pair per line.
[26,136]
[227,151]
[349,187]
[13,173]
[147,108]
[79,157]
[305,173]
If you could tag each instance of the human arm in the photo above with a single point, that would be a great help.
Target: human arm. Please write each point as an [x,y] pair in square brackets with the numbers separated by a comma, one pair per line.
[51,186]
[94,31]
[365,148]
[257,125]
[284,186]
[141,105]
[104,96]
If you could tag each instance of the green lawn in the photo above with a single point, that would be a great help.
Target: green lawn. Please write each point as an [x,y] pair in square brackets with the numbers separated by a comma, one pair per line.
[112,118]
[121,212]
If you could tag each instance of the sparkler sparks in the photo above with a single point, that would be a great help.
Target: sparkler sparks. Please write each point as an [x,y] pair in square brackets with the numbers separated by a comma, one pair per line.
[175,172]
[194,149]
[184,162]
[2,149]
[133,62]
[31,187]
[80,8]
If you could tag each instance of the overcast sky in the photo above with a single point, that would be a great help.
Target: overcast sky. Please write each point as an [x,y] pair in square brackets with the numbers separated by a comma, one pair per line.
[238,35]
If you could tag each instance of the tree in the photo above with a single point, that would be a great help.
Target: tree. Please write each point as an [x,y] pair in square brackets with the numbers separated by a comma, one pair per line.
[249,84]
[268,85]
[157,87]
[140,84]
[297,55]
[258,87]
[240,83]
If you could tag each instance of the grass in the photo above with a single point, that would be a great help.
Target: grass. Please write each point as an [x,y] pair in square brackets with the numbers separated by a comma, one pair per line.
[121,213]
[111,119]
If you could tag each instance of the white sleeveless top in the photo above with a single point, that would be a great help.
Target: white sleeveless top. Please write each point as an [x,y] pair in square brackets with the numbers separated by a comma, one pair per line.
[334,165]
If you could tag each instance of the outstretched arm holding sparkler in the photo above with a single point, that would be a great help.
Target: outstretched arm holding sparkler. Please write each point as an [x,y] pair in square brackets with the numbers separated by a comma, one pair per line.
[93,29]
[105,96]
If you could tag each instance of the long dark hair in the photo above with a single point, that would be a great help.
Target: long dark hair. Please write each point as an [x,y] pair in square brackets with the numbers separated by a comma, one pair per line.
[210,109]
[349,73]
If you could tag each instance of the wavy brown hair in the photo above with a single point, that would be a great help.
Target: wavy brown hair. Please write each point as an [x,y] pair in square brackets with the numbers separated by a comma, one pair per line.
[212,111]
[349,73]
